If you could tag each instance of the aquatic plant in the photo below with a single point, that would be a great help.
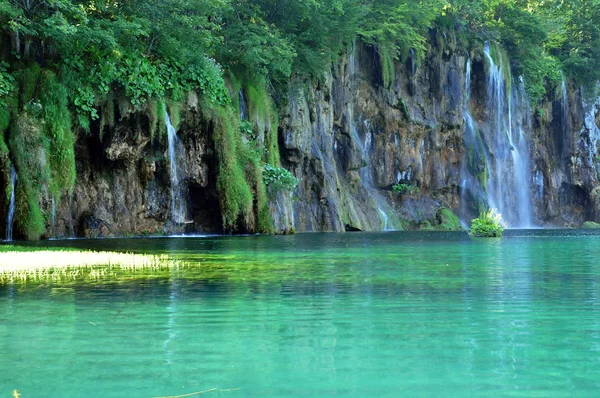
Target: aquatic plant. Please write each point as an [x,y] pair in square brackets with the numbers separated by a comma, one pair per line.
[19,266]
[488,225]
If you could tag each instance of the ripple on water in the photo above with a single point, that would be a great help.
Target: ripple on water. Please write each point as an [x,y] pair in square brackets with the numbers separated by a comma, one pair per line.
[364,315]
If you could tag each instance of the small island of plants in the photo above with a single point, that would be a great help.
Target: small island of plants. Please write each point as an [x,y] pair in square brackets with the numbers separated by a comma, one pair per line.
[489,224]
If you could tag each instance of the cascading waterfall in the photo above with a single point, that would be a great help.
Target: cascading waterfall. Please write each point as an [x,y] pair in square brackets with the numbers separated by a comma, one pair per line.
[178,203]
[509,178]
[476,165]
[476,161]
[11,207]
[564,120]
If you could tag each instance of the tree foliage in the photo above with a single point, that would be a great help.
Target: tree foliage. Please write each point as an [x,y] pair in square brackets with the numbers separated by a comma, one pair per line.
[63,64]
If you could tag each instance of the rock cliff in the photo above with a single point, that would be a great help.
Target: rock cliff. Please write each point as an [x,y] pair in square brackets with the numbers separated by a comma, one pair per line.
[456,133]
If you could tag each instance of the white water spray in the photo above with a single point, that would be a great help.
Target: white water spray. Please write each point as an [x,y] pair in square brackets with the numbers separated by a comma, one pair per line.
[510,172]
[178,203]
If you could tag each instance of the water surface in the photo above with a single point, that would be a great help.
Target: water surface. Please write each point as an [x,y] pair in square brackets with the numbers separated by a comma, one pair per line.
[382,314]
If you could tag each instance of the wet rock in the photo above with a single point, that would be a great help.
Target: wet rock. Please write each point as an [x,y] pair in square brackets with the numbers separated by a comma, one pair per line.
[348,140]
[92,227]
[350,228]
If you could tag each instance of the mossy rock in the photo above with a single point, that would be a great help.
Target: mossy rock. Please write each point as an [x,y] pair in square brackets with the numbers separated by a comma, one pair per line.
[591,225]
[426,226]
[448,220]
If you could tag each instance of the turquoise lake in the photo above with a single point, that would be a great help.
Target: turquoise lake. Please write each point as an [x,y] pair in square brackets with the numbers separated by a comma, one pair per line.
[374,314]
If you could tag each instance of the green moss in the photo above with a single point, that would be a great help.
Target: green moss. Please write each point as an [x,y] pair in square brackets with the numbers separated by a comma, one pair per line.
[29,148]
[4,119]
[388,71]
[255,176]
[234,86]
[174,108]
[152,112]
[161,117]
[28,214]
[5,164]
[58,132]
[263,115]
[235,196]
[28,81]
[448,220]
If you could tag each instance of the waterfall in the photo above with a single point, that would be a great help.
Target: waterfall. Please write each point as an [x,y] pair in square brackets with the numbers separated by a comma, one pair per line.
[53,220]
[384,219]
[11,207]
[243,106]
[509,177]
[413,71]
[564,136]
[565,106]
[178,203]
[476,163]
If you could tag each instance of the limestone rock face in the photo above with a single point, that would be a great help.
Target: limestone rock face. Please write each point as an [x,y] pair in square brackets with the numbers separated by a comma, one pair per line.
[349,138]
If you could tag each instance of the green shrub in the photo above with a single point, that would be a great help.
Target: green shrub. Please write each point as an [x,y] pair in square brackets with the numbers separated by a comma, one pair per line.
[488,225]
[277,178]
[405,188]
[246,129]
[6,81]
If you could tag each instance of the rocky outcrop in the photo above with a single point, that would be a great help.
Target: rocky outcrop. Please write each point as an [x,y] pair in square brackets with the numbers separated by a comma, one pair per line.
[349,138]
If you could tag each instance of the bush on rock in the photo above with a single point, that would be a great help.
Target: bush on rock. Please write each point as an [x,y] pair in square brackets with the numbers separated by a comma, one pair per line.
[488,225]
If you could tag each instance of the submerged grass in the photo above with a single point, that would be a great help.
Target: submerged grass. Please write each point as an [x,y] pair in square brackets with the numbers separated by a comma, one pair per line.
[19,265]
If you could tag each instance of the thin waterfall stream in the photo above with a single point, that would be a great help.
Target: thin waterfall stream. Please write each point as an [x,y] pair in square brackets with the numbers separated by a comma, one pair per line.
[11,208]
[176,169]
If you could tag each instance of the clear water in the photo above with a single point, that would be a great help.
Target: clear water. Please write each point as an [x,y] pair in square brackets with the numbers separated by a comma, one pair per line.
[382,314]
